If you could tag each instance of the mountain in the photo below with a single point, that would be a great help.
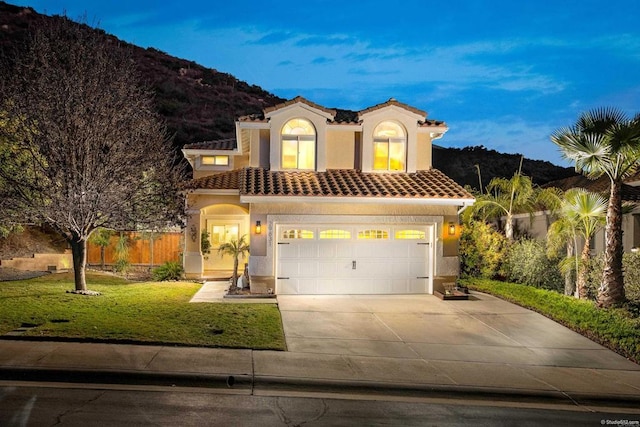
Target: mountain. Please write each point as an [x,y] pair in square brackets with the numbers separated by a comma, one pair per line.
[460,165]
[202,104]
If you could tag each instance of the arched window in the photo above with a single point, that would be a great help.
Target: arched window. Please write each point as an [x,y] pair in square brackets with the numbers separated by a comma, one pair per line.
[389,147]
[298,145]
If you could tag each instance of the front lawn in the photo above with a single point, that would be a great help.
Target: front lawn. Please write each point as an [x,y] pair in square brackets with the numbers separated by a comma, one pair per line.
[149,312]
[617,329]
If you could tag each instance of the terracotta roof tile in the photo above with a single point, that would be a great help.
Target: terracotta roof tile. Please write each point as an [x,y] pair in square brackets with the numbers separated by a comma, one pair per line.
[350,183]
[219,181]
[295,101]
[220,144]
[333,183]
[341,116]
[392,101]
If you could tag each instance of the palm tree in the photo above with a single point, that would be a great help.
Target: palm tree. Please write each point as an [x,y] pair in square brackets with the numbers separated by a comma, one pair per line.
[237,249]
[507,197]
[605,142]
[583,214]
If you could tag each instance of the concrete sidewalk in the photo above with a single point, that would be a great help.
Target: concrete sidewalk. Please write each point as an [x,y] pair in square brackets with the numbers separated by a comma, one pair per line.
[255,372]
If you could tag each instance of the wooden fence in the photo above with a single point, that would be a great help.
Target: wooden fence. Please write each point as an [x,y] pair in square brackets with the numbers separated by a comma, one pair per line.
[166,247]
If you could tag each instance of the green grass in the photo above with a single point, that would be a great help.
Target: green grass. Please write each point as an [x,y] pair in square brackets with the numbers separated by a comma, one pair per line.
[148,312]
[617,329]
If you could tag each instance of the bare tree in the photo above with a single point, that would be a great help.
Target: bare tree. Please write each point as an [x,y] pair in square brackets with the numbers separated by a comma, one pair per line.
[92,150]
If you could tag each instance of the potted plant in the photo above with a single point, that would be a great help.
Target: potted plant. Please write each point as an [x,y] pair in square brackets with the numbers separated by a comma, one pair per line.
[236,249]
[205,244]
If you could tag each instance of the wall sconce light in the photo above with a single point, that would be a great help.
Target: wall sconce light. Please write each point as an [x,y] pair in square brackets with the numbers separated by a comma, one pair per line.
[452,229]
[193,232]
[258,227]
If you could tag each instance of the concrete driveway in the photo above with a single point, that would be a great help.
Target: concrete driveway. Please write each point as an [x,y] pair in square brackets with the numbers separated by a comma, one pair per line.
[481,330]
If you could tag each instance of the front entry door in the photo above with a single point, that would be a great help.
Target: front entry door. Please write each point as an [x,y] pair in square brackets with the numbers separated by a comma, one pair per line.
[220,233]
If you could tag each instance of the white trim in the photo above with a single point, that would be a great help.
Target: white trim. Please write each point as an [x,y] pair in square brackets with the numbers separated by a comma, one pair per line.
[356,199]
[344,126]
[252,125]
[220,192]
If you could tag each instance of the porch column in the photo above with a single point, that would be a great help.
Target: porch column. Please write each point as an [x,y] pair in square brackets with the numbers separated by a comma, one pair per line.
[192,258]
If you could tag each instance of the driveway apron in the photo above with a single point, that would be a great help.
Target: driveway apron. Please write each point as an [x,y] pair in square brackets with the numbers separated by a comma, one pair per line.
[483,329]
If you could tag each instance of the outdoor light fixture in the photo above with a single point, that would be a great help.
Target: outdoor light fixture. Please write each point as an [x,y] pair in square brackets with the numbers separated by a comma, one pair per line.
[452,229]
[258,227]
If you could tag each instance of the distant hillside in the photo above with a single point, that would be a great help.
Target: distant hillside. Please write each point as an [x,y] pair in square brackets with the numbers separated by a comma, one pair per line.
[198,103]
[201,104]
[460,165]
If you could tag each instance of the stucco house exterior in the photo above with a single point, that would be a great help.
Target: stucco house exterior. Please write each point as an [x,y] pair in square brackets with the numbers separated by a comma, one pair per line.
[332,201]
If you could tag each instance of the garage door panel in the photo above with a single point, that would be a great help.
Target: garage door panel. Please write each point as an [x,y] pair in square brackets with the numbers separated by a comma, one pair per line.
[289,286]
[327,250]
[325,266]
[289,268]
[418,250]
[287,251]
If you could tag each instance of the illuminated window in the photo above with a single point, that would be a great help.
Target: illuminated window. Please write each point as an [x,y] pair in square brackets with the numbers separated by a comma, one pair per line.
[389,142]
[298,145]
[297,234]
[373,234]
[335,234]
[215,160]
[410,235]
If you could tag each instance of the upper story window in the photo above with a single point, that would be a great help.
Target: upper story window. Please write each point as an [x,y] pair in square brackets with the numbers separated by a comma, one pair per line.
[215,160]
[298,145]
[389,147]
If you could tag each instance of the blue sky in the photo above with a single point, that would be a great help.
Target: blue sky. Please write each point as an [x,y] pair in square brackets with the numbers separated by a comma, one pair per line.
[503,74]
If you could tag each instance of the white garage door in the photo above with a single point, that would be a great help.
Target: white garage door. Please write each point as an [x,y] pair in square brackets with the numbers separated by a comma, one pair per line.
[366,259]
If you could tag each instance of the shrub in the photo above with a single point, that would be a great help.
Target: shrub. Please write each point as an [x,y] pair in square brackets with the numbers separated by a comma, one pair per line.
[122,263]
[631,262]
[482,250]
[527,264]
[631,267]
[170,270]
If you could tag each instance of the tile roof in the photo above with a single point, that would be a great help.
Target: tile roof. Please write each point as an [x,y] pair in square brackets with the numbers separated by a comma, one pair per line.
[218,181]
[429,184]
[220,144]
[600,185]
[341,116]
[390,102]
[295,101]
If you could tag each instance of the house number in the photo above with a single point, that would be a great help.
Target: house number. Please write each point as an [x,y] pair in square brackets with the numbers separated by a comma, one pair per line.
[353,265]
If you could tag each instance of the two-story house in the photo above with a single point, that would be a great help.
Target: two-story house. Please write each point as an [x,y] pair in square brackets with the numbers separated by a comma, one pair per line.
[333,201]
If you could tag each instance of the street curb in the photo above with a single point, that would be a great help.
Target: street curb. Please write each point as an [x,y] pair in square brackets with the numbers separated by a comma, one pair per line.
[91,376]
[259,383]
[472,393]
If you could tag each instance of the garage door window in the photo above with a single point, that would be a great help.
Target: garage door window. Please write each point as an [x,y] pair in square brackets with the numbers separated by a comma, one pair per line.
[335,234]
[410,235]
[373,234]
[297,234]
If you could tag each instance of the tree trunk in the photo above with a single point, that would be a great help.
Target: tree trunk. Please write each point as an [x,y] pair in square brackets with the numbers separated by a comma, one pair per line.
[102,257]
[611,291]
[79,252]
[581,280]
[569,283]
[508,227]
[234,279]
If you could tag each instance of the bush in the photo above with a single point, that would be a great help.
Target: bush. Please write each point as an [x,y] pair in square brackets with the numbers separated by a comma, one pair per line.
[170,270]
[631,267]
[482,250]
[527,264]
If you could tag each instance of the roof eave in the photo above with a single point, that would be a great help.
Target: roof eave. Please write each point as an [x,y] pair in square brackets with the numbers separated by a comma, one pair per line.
[358,200]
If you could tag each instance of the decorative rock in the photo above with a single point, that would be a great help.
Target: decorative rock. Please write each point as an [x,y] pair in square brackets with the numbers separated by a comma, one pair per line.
[87,292]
